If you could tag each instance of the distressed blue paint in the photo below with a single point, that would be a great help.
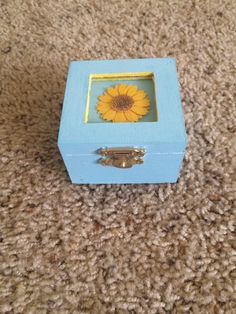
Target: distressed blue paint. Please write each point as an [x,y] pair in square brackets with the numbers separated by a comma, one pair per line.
[164,140]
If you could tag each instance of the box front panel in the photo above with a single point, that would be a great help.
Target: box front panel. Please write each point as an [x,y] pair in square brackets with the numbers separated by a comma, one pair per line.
[157,168]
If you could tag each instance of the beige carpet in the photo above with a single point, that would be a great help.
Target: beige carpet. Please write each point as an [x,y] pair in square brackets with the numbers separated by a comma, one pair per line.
[116,249]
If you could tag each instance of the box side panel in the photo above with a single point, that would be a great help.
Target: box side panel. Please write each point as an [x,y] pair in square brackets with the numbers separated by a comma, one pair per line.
[157,168]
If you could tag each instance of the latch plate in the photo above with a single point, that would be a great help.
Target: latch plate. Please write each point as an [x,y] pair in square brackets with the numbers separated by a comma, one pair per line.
[121,157]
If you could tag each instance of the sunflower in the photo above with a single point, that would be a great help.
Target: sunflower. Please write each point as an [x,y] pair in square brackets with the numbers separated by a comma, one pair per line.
[123,103]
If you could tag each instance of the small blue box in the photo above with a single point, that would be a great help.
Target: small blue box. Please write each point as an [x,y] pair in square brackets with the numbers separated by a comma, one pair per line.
[98,151]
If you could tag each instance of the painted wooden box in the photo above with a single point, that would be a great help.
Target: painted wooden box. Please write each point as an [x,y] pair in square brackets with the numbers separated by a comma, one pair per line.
[122,122]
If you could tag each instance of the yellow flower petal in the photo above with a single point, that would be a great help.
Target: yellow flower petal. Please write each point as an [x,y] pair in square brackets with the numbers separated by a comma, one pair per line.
[120,117]
[103,107]
[131,116]
[122,89]
[140,110]
[132,89]
[109,115]
[105,98]
[112,91]
[142,103]
[139,95]
[104,103]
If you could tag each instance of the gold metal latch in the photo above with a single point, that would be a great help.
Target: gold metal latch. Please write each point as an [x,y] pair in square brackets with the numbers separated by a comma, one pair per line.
[121,157]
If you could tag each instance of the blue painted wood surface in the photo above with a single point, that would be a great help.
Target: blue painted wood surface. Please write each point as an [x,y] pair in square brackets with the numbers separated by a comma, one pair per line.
[164,140]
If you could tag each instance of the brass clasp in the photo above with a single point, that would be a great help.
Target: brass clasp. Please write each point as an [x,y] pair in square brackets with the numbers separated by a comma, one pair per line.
[121,157]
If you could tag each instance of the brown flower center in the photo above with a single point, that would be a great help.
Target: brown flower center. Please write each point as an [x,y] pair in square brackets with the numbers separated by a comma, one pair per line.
[122,102]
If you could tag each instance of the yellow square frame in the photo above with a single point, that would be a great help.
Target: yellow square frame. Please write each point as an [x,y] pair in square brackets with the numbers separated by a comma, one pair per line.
[115,77]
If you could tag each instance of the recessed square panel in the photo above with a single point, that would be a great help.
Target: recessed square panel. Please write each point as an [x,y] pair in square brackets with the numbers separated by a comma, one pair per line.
[121,97]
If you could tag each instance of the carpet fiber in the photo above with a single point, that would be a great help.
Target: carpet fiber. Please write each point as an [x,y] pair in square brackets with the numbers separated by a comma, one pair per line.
[116,248]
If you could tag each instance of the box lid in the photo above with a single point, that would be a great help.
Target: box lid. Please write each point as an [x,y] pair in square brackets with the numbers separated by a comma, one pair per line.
[165,135]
